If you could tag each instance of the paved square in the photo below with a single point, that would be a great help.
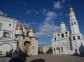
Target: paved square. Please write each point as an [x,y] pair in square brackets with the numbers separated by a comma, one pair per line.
[50,58]
[55,58]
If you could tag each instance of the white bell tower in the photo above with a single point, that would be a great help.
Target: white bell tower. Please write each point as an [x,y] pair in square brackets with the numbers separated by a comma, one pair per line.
[73,22]
[76,36]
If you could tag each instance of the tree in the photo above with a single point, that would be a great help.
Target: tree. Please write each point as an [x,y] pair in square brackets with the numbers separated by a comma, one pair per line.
[49,51]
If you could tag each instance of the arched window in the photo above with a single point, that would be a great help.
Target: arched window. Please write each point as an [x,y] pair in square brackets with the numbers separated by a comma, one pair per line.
[79,37]
[54,50]
[55,38]
[62,49]
[73,38]
[74,22]
[62,35]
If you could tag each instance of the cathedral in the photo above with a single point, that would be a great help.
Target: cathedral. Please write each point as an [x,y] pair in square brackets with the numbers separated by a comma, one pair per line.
[27,41]
[13,36]
[68,42]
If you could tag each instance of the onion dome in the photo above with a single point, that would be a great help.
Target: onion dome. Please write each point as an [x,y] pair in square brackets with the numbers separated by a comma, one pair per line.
[71,9]
[18,27]
[24,27]
[31,30]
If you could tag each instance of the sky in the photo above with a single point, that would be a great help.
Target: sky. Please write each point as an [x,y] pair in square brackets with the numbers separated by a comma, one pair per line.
[44,16]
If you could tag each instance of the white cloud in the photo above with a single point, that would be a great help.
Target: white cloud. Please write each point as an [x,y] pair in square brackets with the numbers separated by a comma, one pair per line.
[47,30]
[2,13]
[57,5]
[50,16]
[44,10]
[48,27]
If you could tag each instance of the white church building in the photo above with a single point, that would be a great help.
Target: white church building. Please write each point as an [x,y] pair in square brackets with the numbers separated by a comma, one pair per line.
[68,42]
[7,35]
[13,36]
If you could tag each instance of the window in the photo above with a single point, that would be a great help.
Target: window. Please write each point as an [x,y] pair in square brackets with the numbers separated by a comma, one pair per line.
[73,38]
[6,34]
[62,35]
[79,37]
[54,50]
[66,35]
[55,38]
[71,23]
[9,24]
[0,52]
[58,34]
[65,32]
[0,26]
[74,22]
[62,49]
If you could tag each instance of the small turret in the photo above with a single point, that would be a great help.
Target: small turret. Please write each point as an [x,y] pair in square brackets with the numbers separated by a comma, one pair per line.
[63,27]
[31,33]
[18,30]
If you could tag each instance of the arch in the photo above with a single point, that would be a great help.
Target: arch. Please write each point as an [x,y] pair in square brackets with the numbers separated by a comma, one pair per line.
[6,49]
[8,44]
[28,42]
[62,35]
[26,39]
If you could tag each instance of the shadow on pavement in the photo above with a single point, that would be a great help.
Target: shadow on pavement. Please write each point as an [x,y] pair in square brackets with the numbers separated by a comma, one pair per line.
[38,60]
[16,60]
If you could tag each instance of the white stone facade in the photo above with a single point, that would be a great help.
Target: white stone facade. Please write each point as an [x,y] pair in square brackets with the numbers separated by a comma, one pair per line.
[65,42]
[24,35]
[44,48]
[12,36]
[7,34]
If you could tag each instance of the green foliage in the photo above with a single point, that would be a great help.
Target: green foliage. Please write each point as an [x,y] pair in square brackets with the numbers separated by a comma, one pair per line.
[40,52]
[49,51]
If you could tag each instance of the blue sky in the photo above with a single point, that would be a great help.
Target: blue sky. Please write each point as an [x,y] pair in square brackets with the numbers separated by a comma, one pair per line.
[44,16]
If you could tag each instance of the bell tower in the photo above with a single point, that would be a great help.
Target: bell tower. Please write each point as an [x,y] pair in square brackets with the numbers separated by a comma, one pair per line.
[73,22]
[76,36]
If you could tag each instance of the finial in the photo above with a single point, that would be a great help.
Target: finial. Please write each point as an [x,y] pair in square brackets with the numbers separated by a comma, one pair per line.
[70,8]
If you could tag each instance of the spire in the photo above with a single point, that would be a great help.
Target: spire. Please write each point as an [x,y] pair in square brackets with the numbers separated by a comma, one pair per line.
[71,8]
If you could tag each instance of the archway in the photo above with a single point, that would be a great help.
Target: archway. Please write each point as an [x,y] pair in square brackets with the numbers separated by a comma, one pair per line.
[6,49]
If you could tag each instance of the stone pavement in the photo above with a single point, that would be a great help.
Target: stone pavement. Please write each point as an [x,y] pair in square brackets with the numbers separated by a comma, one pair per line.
[55,58]
[50,58]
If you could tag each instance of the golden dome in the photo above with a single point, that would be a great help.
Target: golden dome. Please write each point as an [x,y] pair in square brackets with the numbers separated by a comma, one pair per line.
[24,27]
[71,9]
[31,30]
[18,27]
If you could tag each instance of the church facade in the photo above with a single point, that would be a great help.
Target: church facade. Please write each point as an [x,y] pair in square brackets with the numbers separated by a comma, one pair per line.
[27,41]
[68,42]
[13,36]
[7,35]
